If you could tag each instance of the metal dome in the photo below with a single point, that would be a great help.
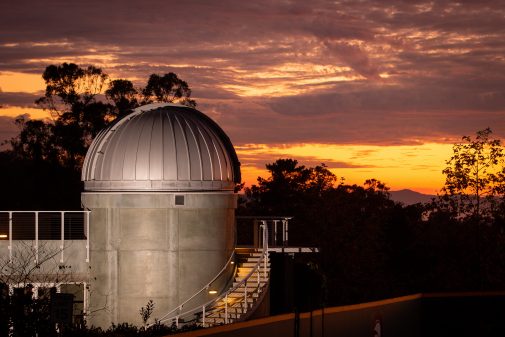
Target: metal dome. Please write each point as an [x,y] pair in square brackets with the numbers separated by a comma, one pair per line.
[161,147]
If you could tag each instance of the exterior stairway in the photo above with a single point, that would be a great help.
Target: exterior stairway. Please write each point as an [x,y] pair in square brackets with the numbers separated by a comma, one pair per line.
[246,290]
[245,294]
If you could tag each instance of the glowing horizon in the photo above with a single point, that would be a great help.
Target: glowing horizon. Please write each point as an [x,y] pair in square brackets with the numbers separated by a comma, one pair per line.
[414,167]
[372,90]
[417,167]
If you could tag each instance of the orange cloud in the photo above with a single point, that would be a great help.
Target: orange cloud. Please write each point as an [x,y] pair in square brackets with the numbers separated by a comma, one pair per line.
[416,167]
[21,82]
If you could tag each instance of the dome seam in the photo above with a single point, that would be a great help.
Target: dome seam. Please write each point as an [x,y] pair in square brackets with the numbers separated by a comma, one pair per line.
[193,153]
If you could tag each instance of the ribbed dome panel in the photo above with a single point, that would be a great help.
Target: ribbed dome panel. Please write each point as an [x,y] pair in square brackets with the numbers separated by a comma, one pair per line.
[161,147]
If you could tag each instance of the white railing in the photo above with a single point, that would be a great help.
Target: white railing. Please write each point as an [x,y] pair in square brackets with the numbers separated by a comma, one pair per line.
[201,309]
[26,219]
[278,230]
[230,261]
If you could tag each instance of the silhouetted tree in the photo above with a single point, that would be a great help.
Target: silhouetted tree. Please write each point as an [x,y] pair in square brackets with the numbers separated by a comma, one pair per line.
[124,95]
[25,314]
[72,98]
[372,247]
[34,141]
[167,88]
[475,176]
[289,185]
[57,147]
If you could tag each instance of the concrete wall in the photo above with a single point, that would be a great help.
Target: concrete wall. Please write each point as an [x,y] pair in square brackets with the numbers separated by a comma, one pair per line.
[420,315]
[144,247]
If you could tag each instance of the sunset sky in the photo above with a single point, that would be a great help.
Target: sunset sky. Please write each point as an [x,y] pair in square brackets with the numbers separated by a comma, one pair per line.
[374,89]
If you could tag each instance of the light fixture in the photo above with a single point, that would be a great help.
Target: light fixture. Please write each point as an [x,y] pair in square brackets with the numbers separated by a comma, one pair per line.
[232,262]
[212,292]
[3,236]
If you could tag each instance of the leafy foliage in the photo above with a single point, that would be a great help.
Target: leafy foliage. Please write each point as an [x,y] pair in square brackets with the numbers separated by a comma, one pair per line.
[147,311]
[22,316]
[371,247]
[34,140]
[167,88]
[124,95]
[72,97]
[475,176]
[75,101]
[287,187]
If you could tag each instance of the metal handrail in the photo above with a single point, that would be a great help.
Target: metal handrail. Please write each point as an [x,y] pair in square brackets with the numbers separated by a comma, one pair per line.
[180,306]
[36,240]
[224,295]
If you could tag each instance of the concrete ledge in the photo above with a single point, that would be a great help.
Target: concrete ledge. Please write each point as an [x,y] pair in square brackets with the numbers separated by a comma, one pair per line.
[435,314]
[219,200]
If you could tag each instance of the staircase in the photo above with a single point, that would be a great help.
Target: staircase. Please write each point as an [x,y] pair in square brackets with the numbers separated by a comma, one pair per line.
[246,293]
[237,303]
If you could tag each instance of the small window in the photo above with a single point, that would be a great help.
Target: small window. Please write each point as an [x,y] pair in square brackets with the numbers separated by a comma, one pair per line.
[179,200]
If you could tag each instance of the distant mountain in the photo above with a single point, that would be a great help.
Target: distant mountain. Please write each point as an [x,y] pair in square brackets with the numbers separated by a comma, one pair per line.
[409,197]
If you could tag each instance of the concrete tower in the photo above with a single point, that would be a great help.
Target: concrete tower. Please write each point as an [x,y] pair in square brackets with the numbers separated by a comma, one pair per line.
[159,183]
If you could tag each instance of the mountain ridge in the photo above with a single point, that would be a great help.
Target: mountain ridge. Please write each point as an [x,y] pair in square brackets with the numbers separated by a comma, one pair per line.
[409,197]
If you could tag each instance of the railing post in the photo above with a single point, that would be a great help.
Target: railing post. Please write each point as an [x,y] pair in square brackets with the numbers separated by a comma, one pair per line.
[274,239]
[85,299]
[245,296]
[287,231]
[203,316]
[258,274]
[62,245]
[265,245]
[177,321]
[36,237]
[265,264]
[10,237]
[264,234]
[86,215]
[284,232]
[256,238]
[35,291]
[226,309]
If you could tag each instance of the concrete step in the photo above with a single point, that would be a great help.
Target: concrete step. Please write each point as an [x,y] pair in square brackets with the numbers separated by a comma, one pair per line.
[217,321]
[253,264]
[252,278]
[256,255]
[233,302]
[232,315]
[237,308]
[250,282]
[249,269]
[260,267]
[243,274]
[240,295]
[250,285]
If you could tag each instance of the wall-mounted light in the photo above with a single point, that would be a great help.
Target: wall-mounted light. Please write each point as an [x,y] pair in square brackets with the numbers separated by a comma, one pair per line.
[212,292]
[3,236]
[232,262]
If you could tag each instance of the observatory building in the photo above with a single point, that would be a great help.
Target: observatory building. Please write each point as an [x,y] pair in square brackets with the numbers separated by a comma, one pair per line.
[159,183]
[158,225]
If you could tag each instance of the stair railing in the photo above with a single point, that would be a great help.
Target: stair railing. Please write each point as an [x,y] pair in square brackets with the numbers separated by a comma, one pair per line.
[205,288]
[224,296]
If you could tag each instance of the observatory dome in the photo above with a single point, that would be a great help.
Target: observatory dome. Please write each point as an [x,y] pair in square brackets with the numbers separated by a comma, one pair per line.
[161,147]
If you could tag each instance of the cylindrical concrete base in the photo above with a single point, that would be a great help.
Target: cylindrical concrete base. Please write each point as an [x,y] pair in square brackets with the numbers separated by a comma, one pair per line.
[154,246]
